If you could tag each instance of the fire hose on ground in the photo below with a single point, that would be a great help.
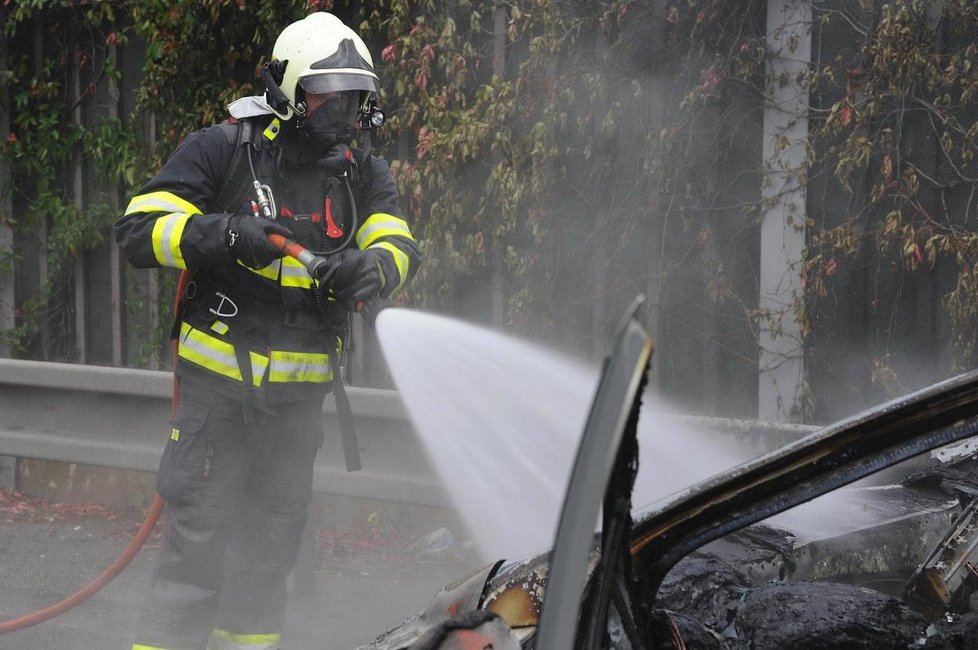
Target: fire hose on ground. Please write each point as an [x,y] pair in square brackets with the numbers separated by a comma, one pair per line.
[316,266]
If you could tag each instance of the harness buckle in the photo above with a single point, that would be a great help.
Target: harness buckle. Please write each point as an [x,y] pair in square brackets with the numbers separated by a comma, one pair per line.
[220,307]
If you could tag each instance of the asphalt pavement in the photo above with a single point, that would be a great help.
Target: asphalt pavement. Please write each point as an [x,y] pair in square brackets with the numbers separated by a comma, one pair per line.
[355,583]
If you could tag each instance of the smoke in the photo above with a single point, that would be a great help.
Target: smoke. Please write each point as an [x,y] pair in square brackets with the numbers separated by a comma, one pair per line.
[500,419]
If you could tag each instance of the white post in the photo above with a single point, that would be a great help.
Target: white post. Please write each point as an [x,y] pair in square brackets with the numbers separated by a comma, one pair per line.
[8,464]
[781,362]
[6,232]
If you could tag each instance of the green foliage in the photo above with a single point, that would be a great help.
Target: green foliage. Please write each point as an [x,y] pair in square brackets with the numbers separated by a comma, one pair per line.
[903,145]
[49,138]
[890,176]
[200,55]
[574,153]
[61,69]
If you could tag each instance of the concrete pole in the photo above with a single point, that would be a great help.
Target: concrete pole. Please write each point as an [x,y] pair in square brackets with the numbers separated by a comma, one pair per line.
[781,360]
[116,288]
[8,464]
[45,220]
[78,198]
[6,232]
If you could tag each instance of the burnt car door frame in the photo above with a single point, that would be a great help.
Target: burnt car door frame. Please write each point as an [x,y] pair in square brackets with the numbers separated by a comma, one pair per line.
[608,447]
[830,458]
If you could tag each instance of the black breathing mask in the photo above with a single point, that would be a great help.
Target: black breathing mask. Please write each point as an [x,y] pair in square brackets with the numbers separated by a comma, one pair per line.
[333,122]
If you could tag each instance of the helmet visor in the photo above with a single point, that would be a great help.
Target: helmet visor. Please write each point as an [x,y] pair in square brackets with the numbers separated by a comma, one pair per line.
[338,81]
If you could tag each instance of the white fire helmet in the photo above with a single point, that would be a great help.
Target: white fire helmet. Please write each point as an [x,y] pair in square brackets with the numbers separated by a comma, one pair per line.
[320,54]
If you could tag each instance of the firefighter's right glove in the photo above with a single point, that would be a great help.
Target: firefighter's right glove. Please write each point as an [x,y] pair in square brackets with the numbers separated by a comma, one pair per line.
[355,275]
[247,240]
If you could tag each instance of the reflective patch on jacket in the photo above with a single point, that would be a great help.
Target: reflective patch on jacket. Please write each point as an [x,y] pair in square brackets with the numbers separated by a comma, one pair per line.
[380,225]
[168,229]
[201,348]
[401,262]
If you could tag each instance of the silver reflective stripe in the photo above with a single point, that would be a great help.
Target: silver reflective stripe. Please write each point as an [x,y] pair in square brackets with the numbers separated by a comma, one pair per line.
[304,370]
[295,274]
[203,350]
[161,202]
[167,233]
[381,225]
[401,261]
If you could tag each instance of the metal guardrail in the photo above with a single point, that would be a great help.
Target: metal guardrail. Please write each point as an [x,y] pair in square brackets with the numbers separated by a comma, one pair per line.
[118,418]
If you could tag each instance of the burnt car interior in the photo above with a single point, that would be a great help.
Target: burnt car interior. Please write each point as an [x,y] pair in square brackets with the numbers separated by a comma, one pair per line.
[713,567]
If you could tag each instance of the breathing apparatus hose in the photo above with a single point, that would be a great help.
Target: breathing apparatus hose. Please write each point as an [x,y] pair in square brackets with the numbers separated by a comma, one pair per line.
[121,562]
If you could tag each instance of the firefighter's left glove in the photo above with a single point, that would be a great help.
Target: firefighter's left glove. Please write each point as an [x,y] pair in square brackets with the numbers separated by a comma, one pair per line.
[247,240]
[358,275]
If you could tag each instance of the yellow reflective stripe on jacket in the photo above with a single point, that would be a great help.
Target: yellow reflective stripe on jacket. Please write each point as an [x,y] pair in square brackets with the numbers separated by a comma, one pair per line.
[200,348]
[160,202]
[288,271]
[270,271]
[247,641]
[380,225]
[299,367]
[167,233]
[139,646]
[168,229]
[294,274]
[216,355]
[401,261]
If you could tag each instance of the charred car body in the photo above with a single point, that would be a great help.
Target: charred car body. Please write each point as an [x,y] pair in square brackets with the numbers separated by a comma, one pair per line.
[700,570]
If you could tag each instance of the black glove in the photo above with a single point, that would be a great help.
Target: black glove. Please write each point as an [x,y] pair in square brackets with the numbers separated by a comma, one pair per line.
[247,240]
[355,275]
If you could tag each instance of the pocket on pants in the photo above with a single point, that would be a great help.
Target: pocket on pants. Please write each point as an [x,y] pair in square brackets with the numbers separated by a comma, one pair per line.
[187,457]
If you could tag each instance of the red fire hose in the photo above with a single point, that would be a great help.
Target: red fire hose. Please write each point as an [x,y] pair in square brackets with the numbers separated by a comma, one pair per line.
[91,588]
[287,246]
[121,562]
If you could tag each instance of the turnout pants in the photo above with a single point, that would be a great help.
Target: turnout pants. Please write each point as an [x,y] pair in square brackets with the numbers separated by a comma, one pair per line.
[237,498]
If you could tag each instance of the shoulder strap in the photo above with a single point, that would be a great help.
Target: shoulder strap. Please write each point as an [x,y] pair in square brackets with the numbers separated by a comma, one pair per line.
[237,178]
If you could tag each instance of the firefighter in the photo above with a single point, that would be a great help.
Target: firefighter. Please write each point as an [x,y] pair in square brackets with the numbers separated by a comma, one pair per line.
[258,337]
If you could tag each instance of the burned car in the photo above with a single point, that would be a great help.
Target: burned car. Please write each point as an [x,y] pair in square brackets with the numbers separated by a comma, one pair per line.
[711,567]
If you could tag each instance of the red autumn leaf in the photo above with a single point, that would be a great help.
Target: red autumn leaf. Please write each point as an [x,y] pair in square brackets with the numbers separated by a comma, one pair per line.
[845,115]
[421,80]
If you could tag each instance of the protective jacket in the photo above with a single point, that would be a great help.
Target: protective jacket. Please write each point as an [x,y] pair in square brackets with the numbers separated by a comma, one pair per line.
[262,331]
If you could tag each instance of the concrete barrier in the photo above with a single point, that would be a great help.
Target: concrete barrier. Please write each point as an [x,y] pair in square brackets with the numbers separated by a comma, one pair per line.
[118,418]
